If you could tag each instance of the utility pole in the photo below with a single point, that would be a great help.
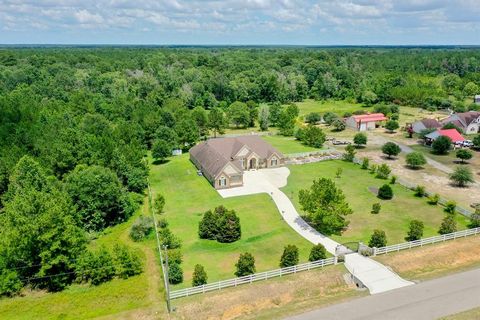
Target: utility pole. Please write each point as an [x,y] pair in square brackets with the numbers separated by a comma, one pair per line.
[167,287]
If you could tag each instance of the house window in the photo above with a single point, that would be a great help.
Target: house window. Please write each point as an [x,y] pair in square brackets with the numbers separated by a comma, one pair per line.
[273,162]
[222,182]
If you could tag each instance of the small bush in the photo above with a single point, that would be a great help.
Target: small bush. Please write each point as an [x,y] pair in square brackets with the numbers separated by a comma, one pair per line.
[365,163]
[448,225]
[318,252]
[339,172]
[433,200]
[383,171]
[349,154]
[199,276]
[415,231]
[373,168]
[289,257]
[378,239]
[450,207]
[167,238]
[385,192]
[393,180]
[141,228]
[420,191]
[175,256]
[10,283]
[127,262]
[245,265]
[175,273]
[159,203]
[162,223]
[376,207]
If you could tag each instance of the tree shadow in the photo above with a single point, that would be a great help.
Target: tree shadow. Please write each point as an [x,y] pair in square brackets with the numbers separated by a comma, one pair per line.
[159,162]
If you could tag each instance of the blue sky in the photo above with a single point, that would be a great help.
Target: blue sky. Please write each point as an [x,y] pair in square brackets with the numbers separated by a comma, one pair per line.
[302,22]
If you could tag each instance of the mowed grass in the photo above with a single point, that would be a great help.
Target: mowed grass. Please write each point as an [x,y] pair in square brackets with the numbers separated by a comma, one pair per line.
[395,214]
[188,196]
[339,107]
[288,145]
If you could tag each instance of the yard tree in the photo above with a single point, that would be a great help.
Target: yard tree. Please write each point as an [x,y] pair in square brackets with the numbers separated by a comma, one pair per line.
[200,117]
[461,176]
[441,145]
[238,114]
[275,110]
[392,125]
[365,163]
[415,230]
[329,117]
[369,98]
[199,276]
[217,121]
[228,225]
[175,273]
[470,89]
[253,112]
[325,206]
[448,225]
[385,192]
[207,227]
[383,171]
[263,118]
[391,149]
[378,239]
[313,136]
[360,139]
[289,257]
[100,199]
[167,238]
[476,142]
[188,133]
[159,203]
[313,118]
[161,150]
[464,154]
[349,154]
[245,265]
[376,207]
[286,123]
[127,262]
[318,252]
[415,160]
[167,134]
[339,125]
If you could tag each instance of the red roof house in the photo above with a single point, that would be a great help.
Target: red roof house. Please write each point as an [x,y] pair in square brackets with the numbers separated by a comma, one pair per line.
[365,122]
[453,134]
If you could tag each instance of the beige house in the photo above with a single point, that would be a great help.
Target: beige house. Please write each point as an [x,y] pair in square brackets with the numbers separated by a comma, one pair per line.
[222,161]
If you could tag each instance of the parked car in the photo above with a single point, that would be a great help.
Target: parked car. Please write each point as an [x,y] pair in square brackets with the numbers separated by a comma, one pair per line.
[467,143]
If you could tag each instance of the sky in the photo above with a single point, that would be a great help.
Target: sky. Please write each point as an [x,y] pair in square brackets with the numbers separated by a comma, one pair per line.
[241,22]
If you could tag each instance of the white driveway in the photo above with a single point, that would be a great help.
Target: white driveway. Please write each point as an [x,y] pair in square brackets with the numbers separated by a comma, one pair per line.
[375,276]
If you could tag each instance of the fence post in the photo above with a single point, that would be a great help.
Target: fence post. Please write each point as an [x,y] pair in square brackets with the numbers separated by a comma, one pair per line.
[374,251]
[236,282]
[295,269]
[250,278]
[335,260]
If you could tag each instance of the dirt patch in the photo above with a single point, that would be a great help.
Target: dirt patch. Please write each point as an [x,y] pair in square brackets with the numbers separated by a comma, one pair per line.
[373,190]
[269,299]
[435,260]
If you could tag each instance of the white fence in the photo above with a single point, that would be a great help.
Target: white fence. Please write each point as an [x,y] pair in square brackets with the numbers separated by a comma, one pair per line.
[422,242]
[251,278]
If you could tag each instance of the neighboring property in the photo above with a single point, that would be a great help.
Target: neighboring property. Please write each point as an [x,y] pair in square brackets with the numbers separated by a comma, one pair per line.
[469,122]
[365,122]
[424,124]
[223,160]
[453,134]
[476,99]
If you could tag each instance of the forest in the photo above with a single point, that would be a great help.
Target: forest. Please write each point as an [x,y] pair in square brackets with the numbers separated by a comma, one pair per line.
[77,123]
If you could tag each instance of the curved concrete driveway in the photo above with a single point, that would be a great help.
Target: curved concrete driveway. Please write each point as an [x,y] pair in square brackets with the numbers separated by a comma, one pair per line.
[375,276]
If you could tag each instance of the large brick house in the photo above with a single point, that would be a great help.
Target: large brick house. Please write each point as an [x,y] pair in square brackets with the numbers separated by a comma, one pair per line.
[222,161]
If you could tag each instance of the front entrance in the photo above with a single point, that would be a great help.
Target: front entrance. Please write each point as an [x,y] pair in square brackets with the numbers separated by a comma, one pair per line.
[252,163]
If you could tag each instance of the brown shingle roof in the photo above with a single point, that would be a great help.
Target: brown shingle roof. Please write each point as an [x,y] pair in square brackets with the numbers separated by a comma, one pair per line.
[468,117]
[214,154]
[431,123]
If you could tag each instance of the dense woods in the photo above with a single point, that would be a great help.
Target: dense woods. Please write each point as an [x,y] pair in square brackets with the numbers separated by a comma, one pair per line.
[76,124]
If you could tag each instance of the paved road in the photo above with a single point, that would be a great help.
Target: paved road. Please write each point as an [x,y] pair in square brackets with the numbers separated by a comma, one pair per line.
[375,276]
[425,301]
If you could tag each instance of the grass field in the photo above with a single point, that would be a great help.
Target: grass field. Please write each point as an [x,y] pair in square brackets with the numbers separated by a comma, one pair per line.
[395,214]
[264,233]
[339,107]
[288,145]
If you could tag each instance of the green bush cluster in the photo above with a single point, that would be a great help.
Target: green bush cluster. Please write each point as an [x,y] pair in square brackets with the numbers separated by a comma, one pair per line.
[141,228]
[222,225]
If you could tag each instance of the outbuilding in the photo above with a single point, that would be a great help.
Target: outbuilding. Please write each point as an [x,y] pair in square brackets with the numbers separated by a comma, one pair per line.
[424,124]
[453,134]
[365,122]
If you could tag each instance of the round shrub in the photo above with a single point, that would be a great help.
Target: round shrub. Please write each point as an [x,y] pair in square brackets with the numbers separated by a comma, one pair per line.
[318,252]
[385,192]
[289,257]
[175,273]
[141,228]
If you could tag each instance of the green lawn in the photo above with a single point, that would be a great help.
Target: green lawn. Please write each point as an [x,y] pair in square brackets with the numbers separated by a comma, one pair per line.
[339,107]
[395,214]
[288,145]
[264,234]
